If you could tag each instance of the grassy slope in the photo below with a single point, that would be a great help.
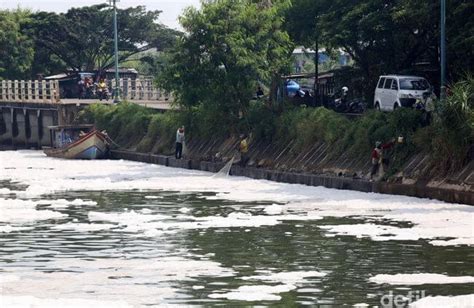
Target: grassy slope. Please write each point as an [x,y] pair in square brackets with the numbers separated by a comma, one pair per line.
[446,141]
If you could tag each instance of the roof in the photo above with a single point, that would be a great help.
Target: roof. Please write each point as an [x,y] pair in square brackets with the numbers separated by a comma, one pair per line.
[58,76]
[79,126]
[400,76]
[123,70]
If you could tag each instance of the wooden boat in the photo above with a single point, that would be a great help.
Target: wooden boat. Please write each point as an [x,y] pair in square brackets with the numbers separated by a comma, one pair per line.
[77,142]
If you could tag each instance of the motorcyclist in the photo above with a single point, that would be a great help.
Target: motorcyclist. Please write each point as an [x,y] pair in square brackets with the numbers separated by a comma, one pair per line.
[340,104]
[102,89]
[344,95]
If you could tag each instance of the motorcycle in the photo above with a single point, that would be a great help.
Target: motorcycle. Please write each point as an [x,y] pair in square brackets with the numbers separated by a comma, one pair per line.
[345,105]
[102,93]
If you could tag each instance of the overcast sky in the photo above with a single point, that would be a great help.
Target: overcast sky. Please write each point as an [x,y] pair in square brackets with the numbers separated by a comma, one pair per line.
[171,8]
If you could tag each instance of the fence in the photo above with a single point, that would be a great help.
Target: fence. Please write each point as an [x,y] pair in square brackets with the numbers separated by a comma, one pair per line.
[29,91]
[49,91]
[140,90]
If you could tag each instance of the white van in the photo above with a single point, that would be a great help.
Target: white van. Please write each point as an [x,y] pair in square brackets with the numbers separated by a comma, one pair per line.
[394,91]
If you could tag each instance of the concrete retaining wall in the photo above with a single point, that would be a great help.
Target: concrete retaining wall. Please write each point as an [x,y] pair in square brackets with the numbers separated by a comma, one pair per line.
[414,190]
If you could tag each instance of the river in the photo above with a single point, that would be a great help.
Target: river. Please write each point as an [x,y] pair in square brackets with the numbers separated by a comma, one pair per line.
[127,234]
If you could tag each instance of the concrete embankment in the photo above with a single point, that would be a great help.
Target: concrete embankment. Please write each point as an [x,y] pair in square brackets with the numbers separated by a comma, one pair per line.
[415,189]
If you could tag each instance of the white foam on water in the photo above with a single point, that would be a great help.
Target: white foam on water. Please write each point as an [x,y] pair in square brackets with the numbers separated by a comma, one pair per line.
[153,224]
[273,209]
[133,281]
[286,277]
[419,279]
[309,290]
[80,227]
[4,278]
[255,293]
[287,281]
[36,302]
[459,301]
[19,211]
[63,203]
[10,228]
[153,197]
[440,223]
[184,210]
[454,242]
[5,191]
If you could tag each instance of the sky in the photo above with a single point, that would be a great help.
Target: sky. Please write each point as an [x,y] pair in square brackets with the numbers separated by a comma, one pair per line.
[171,8]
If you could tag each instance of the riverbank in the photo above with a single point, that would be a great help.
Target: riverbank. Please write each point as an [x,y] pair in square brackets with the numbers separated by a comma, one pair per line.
[423,189]
[291,144]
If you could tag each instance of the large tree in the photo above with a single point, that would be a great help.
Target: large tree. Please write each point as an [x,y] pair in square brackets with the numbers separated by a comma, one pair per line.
[16,48]
[83,37]
[389,36]
[230,46]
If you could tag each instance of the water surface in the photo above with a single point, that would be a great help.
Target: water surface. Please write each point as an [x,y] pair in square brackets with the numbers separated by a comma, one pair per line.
[123,233]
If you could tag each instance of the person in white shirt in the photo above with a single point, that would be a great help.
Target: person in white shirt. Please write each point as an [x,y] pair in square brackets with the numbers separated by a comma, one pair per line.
[179,142]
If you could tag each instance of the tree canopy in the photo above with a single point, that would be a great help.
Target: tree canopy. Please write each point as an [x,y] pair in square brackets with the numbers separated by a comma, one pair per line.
[80,39]
[387,36]
[230,46]
[83,37]
[16,48]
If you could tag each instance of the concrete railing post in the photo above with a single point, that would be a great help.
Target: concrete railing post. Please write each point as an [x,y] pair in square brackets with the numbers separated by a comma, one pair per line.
[137,89]
[149,89]
[36,90]
[29,90]
[9,90]
[15,90]
[3,94]
[43,94]
[23,96]
[54,91]
[140,89]
[130,95]
[123,92]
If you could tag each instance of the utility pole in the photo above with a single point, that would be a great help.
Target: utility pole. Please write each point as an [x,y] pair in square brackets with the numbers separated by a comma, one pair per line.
[316,72]
[117,80]
[443,51]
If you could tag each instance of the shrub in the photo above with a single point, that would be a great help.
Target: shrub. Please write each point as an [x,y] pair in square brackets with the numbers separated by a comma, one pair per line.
[454,127]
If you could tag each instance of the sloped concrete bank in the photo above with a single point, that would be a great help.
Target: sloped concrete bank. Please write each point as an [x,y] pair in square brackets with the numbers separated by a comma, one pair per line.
[422,190]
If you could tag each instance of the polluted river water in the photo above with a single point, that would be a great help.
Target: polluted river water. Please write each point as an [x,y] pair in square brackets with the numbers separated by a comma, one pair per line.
[116,233]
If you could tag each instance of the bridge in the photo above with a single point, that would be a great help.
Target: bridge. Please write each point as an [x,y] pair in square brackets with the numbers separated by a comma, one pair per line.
[28,107]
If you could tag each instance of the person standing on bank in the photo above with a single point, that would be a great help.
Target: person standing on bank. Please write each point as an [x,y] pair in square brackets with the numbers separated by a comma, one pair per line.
[179,142]
[243,149]
[377,156]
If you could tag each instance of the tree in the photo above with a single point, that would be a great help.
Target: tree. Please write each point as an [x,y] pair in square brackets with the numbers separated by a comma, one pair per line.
[301,22]
[83,37]
[230,46]
[16,48]
[389,36]
[460,37]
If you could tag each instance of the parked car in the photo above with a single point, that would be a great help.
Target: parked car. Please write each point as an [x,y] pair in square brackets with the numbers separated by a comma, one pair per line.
[394,91]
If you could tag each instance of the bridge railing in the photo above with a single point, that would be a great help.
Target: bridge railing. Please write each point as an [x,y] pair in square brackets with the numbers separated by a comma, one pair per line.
[141,90]
[49,91]
[45,91]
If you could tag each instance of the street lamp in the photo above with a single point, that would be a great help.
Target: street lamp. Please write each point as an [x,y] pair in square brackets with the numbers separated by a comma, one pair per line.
[117,85]
[443,50]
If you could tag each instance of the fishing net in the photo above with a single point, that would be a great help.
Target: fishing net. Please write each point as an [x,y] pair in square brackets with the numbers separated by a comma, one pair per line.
[224,172]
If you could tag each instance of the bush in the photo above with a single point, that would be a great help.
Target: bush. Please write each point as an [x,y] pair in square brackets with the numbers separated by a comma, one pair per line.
[454,127]
[160,132]
[261,121]
[125,123]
